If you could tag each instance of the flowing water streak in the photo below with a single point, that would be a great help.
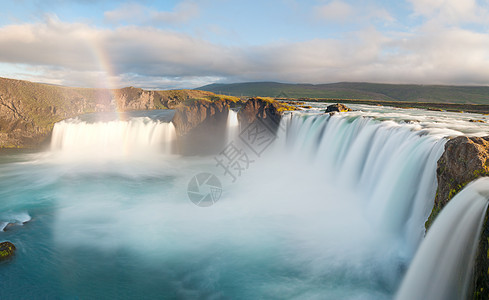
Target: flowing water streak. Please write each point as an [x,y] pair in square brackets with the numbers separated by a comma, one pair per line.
[77,139]
[232,126]
[7,218]
[391,167]
[349,220]
[443,264]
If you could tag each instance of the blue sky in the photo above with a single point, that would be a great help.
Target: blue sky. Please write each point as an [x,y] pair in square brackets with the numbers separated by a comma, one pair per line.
[185,43]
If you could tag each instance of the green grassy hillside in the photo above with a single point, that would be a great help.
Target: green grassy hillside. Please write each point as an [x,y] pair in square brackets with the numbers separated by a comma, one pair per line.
[352,90]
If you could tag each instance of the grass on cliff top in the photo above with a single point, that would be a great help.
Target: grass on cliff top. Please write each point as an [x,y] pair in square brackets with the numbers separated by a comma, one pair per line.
[45,104]
[213,98]
[358,90]
[281,106]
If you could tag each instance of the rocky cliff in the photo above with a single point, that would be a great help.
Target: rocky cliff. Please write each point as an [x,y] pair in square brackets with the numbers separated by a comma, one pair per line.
[29,110]
[132,98]
[201,124]
[201,127]
[263,110]
[464,160]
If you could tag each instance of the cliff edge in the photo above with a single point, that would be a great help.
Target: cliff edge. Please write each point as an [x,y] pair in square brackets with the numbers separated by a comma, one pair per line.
[464,160]
[29,110]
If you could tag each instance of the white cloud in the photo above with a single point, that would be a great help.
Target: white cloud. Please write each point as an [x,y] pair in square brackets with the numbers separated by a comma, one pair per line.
[334,11]
[49,43]
[337,11]
[128,12]
[446,56]
[452,11]
[183,12]
[81,55]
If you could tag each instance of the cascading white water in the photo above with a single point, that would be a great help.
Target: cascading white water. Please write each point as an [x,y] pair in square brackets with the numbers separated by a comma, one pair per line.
[390,166]
[232,126]
[334,209]
[112,140]
[443,264]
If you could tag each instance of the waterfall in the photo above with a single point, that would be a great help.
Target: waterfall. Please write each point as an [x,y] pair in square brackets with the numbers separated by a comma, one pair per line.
[115,139]
[390,167]
[232,126]
[333,207]
[444,262]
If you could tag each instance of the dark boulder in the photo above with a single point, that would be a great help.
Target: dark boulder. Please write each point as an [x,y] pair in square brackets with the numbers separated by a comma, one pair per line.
[464,160]
[264,111]
[337,108]
[7,250]
[201,127]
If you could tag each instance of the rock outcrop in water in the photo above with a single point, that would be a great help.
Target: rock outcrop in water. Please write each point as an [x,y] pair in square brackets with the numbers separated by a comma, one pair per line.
[268,112]
[464,160]
[201,127]
[338,107]
[7,250]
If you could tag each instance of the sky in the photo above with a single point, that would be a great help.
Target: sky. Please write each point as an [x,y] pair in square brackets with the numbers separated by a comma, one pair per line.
[188,43]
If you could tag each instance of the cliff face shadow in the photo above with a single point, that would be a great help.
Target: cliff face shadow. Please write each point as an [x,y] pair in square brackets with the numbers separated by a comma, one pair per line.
[207,139]
[201,128]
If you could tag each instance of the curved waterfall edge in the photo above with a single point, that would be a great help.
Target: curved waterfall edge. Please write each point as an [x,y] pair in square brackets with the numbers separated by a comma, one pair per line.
[443,265]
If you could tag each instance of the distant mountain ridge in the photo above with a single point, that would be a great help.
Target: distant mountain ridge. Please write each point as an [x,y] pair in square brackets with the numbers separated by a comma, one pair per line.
[357,90]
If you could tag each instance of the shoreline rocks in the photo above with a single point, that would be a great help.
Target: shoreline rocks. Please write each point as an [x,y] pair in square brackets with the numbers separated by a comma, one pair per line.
[7,250]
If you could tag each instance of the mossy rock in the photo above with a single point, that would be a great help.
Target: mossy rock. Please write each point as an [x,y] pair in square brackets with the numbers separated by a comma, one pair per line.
[338,107]
[7,250]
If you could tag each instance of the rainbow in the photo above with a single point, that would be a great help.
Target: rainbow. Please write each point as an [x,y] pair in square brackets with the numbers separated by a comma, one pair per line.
[107,76]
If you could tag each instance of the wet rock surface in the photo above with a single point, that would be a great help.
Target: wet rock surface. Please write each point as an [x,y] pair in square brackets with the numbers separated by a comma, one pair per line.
[201,127]
[464,160]
[257,109]
[337,108]
[7,250]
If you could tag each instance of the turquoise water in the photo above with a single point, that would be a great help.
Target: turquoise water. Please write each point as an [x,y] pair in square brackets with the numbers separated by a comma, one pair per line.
[294,225]
[85,238]
[117,234]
